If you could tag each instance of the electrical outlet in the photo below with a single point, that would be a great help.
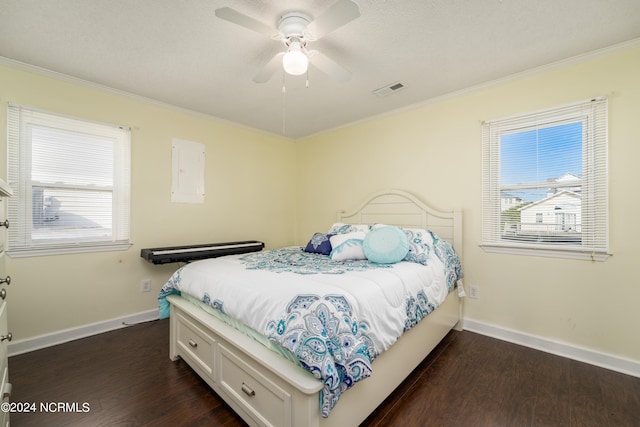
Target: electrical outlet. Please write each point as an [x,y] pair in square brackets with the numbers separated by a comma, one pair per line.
[474,292]
[145,285]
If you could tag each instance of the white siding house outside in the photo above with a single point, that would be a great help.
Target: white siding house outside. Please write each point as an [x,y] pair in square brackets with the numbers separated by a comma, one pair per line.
[560,212]
[555,218]
[568,181]
[508,201]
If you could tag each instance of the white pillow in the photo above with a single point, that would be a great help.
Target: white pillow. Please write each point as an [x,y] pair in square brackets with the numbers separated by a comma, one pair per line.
[343,228]
[347,246]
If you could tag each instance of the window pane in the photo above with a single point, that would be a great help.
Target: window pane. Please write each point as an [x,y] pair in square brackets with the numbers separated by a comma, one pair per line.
[536,157]
[70,214]
[72,158]
[541,185]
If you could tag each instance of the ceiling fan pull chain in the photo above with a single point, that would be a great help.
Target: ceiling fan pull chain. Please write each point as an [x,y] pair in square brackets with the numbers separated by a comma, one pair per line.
[284,105]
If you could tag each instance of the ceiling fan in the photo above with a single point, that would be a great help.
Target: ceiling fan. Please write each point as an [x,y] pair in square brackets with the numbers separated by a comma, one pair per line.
[296,30]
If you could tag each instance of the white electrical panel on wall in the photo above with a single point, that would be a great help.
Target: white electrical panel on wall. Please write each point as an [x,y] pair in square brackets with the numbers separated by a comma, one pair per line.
[187,176]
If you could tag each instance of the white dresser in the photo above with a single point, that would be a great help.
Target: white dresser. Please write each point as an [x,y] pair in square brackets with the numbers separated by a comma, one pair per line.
[5,280]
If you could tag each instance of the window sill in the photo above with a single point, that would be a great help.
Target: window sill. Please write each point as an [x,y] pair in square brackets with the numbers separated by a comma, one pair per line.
[72,249]
[548,252]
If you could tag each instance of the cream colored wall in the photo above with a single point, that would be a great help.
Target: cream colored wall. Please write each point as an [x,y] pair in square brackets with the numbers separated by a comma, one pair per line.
[249,195]
[435,152]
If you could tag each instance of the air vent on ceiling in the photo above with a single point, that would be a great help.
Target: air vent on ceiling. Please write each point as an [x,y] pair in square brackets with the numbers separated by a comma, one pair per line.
[389,89]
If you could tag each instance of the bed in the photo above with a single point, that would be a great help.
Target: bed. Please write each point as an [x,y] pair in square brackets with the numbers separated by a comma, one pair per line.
[265,373]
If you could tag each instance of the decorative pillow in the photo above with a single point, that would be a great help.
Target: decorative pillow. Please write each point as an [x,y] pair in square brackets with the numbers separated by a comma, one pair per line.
[386,245]
[451,261]
[347,246]
[420,245]
[342,228]
[378,225]
[319,244]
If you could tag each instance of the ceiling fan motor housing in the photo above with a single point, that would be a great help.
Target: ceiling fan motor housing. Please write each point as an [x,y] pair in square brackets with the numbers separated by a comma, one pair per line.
[293,25]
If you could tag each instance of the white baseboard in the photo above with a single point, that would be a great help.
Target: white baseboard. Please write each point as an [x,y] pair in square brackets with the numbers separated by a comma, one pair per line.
[582,354]
[66,335]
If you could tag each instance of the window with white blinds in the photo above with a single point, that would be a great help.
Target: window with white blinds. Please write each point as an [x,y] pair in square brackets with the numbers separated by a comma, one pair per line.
[71,184]
[544,182]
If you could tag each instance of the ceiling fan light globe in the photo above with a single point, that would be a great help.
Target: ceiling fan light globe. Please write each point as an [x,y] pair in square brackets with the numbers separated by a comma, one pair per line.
[295,62]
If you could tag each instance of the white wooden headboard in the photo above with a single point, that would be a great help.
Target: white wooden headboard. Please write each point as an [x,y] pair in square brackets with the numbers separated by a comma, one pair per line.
[396,207]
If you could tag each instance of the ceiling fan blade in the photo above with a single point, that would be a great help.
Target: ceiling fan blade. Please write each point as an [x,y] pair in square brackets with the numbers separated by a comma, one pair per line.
[342,12]
[275,63]
[245,21]
[329,66]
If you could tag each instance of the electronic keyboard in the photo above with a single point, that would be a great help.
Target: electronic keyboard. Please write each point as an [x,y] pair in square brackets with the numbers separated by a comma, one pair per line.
[196,252]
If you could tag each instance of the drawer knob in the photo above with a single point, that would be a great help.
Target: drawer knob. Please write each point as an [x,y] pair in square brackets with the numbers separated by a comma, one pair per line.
[6,280]
[5,223]
[248,390]
[3,293]
[7,337]
[192,343]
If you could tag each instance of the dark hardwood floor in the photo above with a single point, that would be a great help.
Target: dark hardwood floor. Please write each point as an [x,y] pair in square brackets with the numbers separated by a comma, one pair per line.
[126,379]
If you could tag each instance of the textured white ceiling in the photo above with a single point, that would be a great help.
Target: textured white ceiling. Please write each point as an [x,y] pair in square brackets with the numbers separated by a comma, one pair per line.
[178,52]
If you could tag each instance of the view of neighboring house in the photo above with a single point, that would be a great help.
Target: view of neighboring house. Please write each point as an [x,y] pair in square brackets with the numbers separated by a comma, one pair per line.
[557,217]
[557,213]
[568,181]
[508,201]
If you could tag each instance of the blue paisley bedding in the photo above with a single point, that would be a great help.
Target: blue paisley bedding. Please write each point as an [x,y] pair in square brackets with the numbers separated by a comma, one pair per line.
[335,317]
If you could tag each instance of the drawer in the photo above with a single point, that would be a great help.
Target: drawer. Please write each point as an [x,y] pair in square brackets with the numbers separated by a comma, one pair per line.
[196,345]
[264,401]
[5,387]
[3,231]
[4,330]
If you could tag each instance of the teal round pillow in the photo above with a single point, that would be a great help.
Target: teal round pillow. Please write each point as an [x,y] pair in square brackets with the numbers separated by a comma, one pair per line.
[386,245]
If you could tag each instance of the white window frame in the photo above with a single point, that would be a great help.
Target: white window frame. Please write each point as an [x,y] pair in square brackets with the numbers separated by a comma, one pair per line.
[20,122]
[594,244]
